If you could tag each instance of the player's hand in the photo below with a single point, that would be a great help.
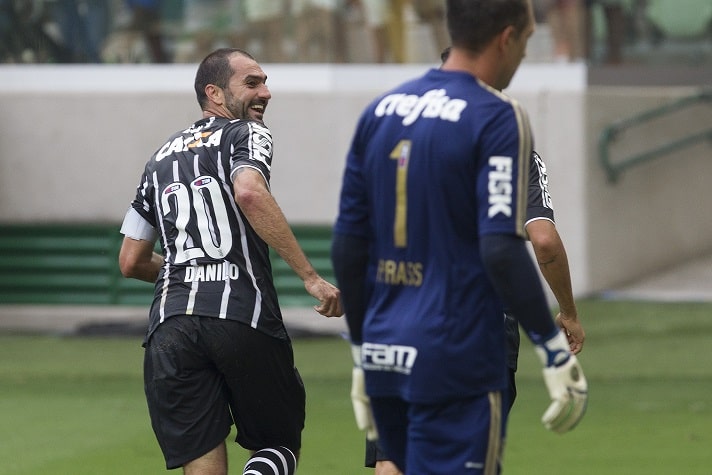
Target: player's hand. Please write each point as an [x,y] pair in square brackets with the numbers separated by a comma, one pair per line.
[328,295]
[571,325]
[566,383]
[359,399]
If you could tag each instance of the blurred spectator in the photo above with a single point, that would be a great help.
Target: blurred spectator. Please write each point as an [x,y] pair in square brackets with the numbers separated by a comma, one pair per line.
[341,36]
[614,15]
[384,20]
[124,44]
[265,24]
[146,20]
[236,35]
[7,24]
[644,29]
[83,25]
[565,19]
[432,13]
[201,19]
[397,30]
[211,24]
[317,25]
[375,15]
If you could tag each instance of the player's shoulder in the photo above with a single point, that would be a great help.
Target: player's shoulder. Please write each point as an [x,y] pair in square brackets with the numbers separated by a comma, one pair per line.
[245,127]
[406,88]
[539,162]
[427,95]
[482,99]
[499,98]
[246,132]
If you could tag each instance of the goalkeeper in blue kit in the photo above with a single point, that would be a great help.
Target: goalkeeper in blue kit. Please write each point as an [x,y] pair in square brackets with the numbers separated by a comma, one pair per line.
[551,256]
[429,247]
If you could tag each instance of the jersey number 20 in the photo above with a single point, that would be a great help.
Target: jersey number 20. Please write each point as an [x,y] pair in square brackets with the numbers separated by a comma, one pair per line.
[215,238]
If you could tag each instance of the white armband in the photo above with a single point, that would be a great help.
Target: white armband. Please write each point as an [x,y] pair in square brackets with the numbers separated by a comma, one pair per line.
[136,227]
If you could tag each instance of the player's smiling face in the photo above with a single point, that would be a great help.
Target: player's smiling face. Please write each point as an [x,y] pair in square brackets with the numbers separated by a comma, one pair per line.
[247,94]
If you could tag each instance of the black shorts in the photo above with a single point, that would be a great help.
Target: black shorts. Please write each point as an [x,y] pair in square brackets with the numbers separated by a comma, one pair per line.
[201,375]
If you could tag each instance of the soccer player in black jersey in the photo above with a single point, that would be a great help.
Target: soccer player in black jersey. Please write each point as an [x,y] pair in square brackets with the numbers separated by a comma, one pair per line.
[216,351]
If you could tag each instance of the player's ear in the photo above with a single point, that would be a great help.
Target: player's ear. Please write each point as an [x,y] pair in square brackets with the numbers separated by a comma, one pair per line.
[507,35]
[215,94]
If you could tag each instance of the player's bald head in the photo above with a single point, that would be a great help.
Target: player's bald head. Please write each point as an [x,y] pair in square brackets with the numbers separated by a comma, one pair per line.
[215,69]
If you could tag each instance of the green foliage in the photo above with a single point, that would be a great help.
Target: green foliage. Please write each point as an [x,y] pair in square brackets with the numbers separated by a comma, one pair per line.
[76,406]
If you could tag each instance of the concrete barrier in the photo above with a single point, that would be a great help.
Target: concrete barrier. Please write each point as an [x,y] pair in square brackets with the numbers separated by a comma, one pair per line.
[74,140]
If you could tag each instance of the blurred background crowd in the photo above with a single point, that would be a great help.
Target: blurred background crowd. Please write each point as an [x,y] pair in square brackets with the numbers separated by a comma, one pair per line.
[339,31]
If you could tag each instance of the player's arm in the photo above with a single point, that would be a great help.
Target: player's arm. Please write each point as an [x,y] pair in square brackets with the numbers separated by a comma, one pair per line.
[550,252]
[513,274]
[266,217]
[554,266]
[514,277]
[349,255]
[136,257]
[138,261]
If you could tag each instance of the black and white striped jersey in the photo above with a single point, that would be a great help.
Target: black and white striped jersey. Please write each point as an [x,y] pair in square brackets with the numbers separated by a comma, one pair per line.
[215,263]
[539,205]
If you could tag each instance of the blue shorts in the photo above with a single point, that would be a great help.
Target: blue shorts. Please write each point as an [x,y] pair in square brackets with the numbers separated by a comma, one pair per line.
[374,453]
[460,437]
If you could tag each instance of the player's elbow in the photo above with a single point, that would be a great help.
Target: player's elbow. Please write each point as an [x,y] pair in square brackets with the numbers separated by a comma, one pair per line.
[130,263]
[250,190]
[546,242]
[248,198]
[129,267]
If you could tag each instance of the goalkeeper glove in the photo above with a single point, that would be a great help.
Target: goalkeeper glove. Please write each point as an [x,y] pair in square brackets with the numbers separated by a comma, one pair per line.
[566,383]
[360,401]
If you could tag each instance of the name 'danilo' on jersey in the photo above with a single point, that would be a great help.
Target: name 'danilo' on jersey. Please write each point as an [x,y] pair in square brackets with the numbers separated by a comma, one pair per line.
[434,104]
[212,272]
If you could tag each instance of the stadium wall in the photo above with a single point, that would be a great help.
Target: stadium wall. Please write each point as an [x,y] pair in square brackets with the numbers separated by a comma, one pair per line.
[74,140]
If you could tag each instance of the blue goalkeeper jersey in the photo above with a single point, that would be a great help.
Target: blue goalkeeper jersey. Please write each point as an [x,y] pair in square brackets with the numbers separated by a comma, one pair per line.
[434,165]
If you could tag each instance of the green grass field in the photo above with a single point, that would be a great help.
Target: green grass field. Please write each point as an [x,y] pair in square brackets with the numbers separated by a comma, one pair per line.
[75,406]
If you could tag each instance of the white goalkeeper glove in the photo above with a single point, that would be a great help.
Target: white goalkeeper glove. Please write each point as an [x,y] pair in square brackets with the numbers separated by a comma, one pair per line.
[566,383]
[360,401]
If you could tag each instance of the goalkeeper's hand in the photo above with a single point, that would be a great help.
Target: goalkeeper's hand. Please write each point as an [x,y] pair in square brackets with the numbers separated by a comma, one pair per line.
[360,401]
[566,383]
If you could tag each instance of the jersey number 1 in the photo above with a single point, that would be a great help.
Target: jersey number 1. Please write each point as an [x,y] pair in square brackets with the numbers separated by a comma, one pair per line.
[401,153]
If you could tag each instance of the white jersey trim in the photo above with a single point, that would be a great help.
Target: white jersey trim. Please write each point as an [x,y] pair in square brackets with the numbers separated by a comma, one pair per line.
[233,172]
[136,227]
